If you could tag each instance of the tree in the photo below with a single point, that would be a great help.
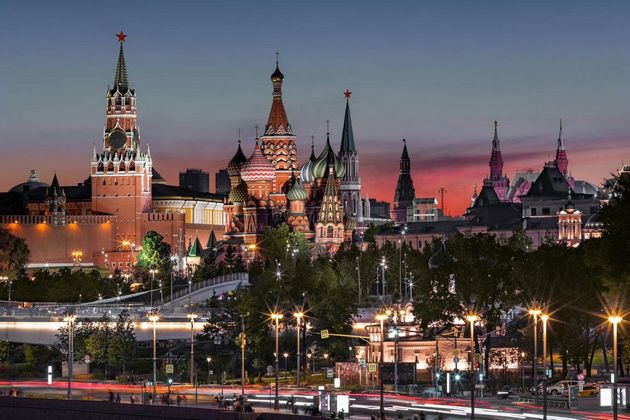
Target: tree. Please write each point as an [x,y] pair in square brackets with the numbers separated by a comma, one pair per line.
[83,329]
[155,253]
[14,255]
[123,340]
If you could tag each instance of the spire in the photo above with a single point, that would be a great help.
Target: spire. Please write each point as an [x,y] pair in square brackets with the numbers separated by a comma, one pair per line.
[495,140]
[560,138]
[496,160]
[405,192]
[347,136]
[278,123]
[312,158]
[562,161]
[331,187]
[404,158]
[120,78]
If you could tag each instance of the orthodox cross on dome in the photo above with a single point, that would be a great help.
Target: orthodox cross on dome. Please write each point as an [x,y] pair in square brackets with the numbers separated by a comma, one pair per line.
[347,94]
[327,126]
[277,58]
[121,36]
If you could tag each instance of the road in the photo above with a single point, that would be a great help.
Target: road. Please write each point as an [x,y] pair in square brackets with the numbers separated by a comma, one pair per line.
[362,405]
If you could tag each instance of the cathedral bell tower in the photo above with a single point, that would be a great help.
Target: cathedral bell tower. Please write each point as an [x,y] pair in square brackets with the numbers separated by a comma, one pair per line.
[121,173]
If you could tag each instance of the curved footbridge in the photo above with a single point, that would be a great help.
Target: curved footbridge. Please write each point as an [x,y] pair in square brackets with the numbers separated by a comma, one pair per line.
[39,323]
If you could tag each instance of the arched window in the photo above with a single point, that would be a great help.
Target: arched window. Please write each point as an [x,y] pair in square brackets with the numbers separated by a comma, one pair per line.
[330,232]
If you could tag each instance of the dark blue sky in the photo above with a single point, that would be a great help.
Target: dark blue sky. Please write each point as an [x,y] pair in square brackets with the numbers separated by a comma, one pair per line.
[437,73]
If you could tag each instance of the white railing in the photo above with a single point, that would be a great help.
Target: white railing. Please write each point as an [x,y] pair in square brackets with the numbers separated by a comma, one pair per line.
[240,277]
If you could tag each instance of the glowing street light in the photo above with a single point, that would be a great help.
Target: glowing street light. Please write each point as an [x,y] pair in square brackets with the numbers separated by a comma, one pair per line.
[472,318]
[535,312]
[154,317]
[544,318]
[299,315]
[615,320]
[276,317]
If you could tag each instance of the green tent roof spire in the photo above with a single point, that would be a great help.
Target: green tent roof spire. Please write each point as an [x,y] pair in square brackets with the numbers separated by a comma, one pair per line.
[347,136]
[196,250]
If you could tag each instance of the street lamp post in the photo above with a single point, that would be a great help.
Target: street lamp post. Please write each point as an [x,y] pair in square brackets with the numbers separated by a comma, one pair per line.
[192,317]
[381,318]
[208,359]
[359,277]
[523,369]
[173,262]
[154,318]
[276,317]
[298,319]
[615,320]
[544,318]
[70,320]
[152,271]
[286,367]
[472,318]
[535,313]
[243,341]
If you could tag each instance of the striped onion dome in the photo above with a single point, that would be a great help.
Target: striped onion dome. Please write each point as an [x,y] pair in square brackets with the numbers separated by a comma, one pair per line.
[296,192]
[306,173]
[238,193]
[257,167]
[328,156]
[235,165]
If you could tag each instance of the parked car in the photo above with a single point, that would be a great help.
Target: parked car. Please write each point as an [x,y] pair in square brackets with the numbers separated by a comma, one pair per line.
[561,387]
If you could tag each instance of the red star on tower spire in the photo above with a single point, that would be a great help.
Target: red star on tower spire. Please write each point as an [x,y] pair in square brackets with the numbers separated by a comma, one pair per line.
[121,36]
[347,94]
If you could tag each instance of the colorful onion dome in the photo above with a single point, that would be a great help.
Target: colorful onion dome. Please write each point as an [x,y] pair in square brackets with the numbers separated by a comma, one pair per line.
[306,173]
[235,165]
[257,167]
[238,193]
[328,156]
[296,192]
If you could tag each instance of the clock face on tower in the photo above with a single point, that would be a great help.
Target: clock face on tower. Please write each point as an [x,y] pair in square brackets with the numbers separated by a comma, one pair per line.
[117,139]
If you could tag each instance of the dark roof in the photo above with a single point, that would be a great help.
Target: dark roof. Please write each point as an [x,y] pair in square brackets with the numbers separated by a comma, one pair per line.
[552,184]
[162,191]
[487,196]
[78,192]
[496,216]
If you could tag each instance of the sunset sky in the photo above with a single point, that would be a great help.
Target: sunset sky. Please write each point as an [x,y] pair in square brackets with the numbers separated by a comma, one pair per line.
[435,73]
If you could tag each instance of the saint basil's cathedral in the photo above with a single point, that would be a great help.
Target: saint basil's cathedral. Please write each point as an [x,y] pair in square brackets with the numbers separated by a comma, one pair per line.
[321,198]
